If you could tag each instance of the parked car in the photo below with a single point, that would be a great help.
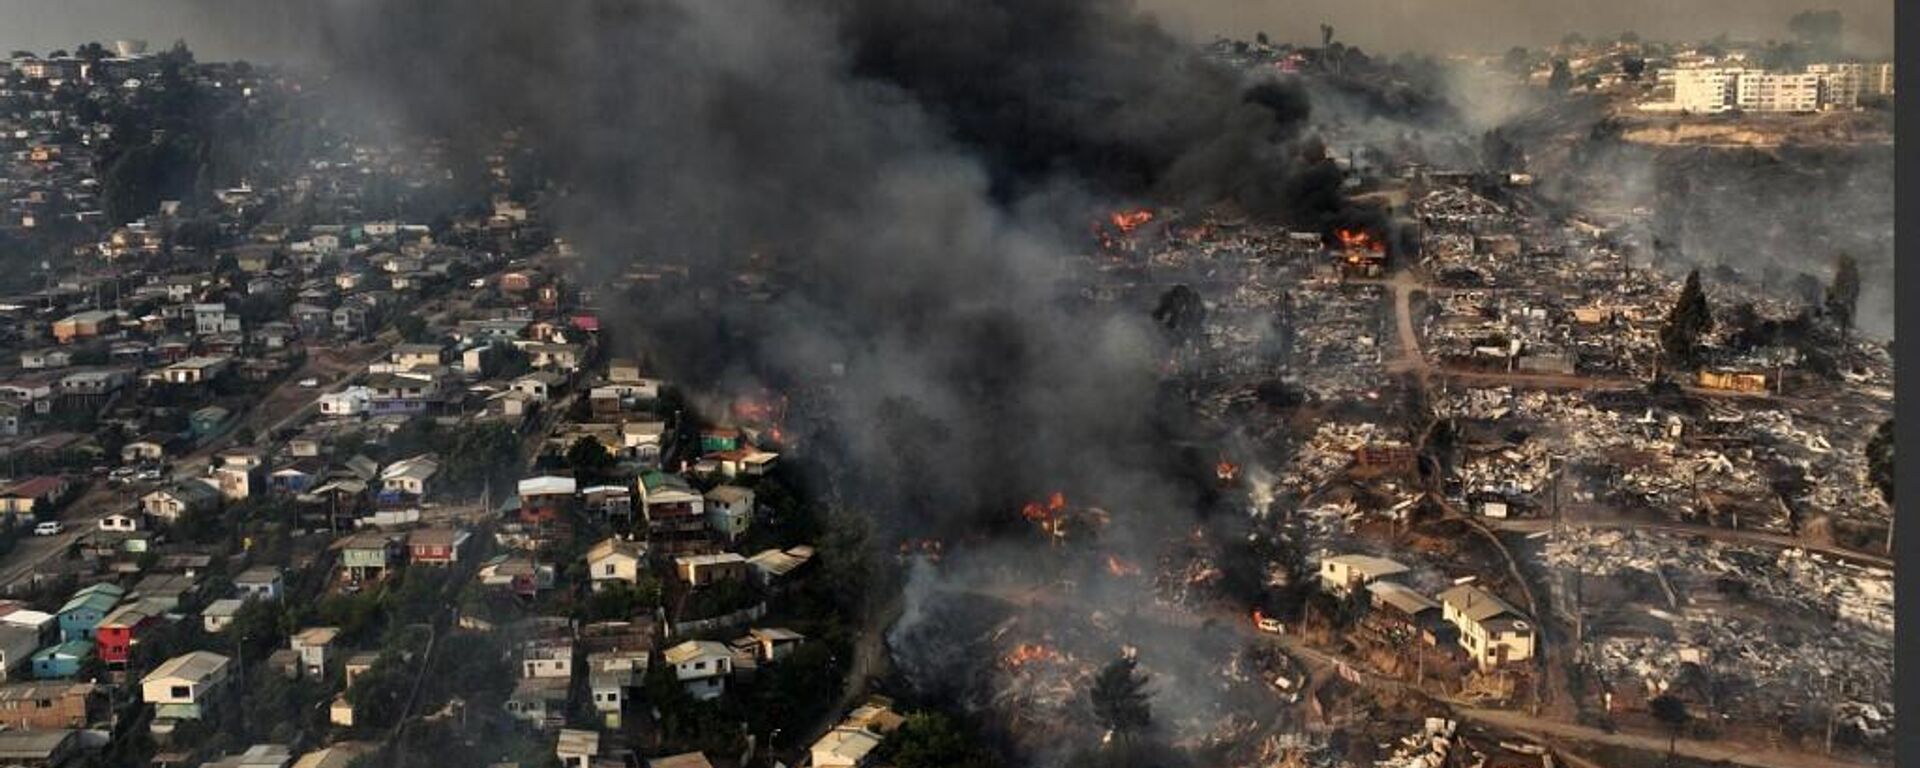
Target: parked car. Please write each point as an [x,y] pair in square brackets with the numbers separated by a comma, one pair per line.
[48,528]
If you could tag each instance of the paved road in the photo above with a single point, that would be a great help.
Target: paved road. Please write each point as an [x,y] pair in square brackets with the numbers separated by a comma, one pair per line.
[20,566]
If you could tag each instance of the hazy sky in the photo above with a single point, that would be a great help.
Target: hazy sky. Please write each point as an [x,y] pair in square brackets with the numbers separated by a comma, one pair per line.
[1438,26]
[1385,26]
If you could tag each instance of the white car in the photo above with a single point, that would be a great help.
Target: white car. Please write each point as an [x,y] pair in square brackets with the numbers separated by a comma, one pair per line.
[48,528]
[309,383]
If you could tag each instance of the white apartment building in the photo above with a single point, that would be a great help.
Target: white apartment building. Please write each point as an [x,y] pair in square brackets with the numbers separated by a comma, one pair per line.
[1760,91]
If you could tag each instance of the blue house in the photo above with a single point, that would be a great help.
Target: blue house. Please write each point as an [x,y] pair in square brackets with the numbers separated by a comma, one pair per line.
[82,613]
[56,662]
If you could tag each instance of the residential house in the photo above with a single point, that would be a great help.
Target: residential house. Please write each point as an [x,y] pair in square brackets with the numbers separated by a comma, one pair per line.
[546,496]
[119,522]
[166,591]
[851,744]
[211,319]
[1492,631]
[564,357]
[609,502]
[613,677]
[116,634]
[34,496]
[548,657]
[17,645]
[151,447]
[616,560]
[702,667]
[260,582]
[729,511]
[541,386]
[775,568]
[352,401]
[368,555]
[235,482]
[207,422]
[82,612]
[577,748]
[169,504]
[1340,574]
[219,614]
[314,644]
[42,359]
[674,511]
[84,325]
[642,440]
[62,661]
[40,749]
[702,570]
[410,478]
[771,644]
[194,371]
[436,546]
[418,355]
[539,701]
[51,706]
[186,686]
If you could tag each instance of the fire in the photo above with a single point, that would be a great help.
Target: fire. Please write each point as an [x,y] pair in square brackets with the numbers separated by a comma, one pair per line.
[1121,568]
[1048,512]
[1128,221]
[1358,240]
[1227,471]
[1028,653]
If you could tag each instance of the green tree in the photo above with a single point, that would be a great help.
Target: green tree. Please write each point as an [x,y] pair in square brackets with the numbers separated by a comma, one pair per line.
[1843,295]
[412,328]
[934,740]
[1689,319]
[1672,713]
[1121,702]
[588,457]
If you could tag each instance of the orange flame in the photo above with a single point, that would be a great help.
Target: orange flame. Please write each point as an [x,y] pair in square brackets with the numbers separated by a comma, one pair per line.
[1128,221]
[1121,568]
[1226,471]
[1028,653]
[1358,240]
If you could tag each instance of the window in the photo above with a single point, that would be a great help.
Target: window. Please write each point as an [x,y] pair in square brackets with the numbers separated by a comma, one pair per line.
[700,665]
[609,570]
[181,692]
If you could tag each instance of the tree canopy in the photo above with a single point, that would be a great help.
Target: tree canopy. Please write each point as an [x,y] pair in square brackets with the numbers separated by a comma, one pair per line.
[1121,701]
[1689,319]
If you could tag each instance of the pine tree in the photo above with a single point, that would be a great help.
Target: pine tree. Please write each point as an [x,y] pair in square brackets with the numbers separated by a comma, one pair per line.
[1689,319]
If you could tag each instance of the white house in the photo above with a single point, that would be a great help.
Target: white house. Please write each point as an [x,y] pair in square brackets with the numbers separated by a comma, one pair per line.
[615,560]
[181,687]
[313,644]
[1491,631]
[729,511]
[702,667]
[351,401]
[1340,574]
[219,614]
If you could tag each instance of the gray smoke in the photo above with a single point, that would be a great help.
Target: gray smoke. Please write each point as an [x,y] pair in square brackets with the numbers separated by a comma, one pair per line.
[917,176]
